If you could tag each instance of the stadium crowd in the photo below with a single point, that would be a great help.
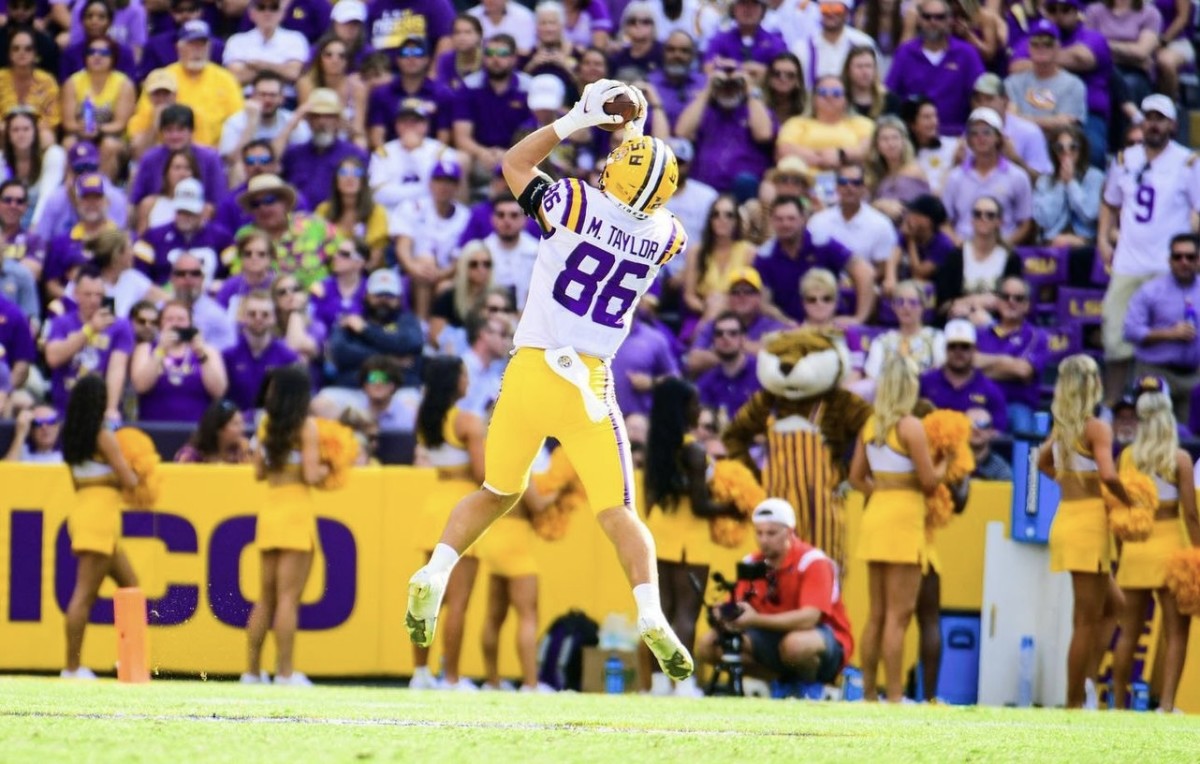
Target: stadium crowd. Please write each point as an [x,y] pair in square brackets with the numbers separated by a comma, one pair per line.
[195,193]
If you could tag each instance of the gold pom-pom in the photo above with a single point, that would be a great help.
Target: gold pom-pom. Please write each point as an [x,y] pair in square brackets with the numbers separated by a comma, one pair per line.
[338,450]
[560,477]
[1183,580]
[142,457]
[733,483]
[939,508]
[949,436]
[1133,522]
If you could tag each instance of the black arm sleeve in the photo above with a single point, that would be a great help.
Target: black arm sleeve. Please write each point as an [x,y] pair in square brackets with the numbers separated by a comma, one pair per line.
[531,200]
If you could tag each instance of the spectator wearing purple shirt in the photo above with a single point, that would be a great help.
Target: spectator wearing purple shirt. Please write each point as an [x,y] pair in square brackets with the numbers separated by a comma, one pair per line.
[730,384]
[176,126]
[96,22]
[161,50]
[89,340]
[413,81]
[745,297]
[794,250]
[958,385]
[391,22]
[1012,353]
[464,56]
[344,292]
[310,167]
[256,352]
[987,173]
[161,246]
[127,24]
[256,256]
[492,106]
[746,42]
[641,53]
[258,158]
[642,359]
[56,213]
[178,376]
[923,246]
[21,15]
[678,82]
[1085,53]
[65,253]
[17,350]
[731,132]
[1161,324]
[949,81]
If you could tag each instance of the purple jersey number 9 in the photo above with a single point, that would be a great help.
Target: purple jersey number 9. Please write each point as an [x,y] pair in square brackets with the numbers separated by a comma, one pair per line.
[1145,203]
[591,270]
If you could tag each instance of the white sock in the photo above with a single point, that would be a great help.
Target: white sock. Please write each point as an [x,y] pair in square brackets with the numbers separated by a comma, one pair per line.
[443,559]
[648,603]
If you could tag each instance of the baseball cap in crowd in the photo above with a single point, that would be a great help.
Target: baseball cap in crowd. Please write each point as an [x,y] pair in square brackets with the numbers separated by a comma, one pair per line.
[413,106]
[989,84]
[930,206]
[683,149]
[959,331]
[1151,384]
[265,184]
[774,511]
[1161,104]
[1046,28]
[447,169]
[346,11]
[189,196]
[745,275]
[84,157]
[324,102]
[546,92]
[988,117]
[194,30]
[89,184]
[384,281]
[161,79]
[792,166]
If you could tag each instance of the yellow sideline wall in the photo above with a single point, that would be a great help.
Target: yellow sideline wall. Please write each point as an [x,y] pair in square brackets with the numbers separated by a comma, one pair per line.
[355,598]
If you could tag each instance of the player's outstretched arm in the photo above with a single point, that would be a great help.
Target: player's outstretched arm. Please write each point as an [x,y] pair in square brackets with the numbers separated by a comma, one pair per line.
[521,161]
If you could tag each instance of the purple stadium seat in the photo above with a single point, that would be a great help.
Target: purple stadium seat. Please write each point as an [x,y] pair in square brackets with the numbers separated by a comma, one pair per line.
[1062,340]
[1100,274]
[1079,306]
[1045,268]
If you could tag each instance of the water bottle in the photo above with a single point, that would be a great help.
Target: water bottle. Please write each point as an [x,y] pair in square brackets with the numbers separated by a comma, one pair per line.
[1141,696]
[852,684]
[1025,665]
[89,116]
[1189,314]
[614,675]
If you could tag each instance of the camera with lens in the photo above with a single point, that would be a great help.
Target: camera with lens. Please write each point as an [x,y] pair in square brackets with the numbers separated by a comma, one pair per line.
[727,676]
[727,80]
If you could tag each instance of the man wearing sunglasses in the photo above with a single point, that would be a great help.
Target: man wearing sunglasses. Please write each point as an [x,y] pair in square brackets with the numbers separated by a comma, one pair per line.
[989,465]
[188,276]
[263,118]
[491,107]
[257,158]
[35,436]
[160,50]
[731,383]
[937,65]
[56,215]
[267,47]
[958,385]
[383,327]
[412,81]
[312,166]
[161,246]
[863,229]
[1151,195]
[746,303]
[1162,324]
[1012,353]
[679,80]
[303,243]
[793,619]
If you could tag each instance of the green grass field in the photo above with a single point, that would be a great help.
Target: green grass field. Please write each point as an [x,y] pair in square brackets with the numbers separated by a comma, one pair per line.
[50,720]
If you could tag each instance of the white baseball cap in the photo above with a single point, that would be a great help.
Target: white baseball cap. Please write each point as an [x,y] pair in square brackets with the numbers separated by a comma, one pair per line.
[345,11]
[384,281]
[1161,104]
[775,511]
[189,196]
[546,91]
[960,330]
[988,117]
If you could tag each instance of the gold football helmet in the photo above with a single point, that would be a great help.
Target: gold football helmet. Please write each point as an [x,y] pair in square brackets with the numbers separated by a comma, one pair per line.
[641,173]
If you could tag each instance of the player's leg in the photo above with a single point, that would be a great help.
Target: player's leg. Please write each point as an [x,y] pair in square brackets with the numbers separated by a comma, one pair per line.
[497,612]
[512,445]
[89,574]
[262,614]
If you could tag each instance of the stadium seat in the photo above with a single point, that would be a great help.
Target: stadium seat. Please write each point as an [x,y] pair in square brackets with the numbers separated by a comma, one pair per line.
[1082,306]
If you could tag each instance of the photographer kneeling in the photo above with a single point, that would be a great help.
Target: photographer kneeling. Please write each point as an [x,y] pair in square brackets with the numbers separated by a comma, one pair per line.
[792,619]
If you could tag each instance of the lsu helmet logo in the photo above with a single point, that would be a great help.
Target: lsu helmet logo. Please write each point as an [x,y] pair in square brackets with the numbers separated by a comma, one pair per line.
[641,173]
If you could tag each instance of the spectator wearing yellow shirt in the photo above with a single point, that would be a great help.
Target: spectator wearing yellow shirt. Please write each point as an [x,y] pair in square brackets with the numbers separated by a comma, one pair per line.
[23,84]
[213,93]
[160,88]
[352,211]
[831,129]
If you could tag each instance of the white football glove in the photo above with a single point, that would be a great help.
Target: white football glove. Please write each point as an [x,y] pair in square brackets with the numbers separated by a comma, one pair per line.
[588,111]
[636,127]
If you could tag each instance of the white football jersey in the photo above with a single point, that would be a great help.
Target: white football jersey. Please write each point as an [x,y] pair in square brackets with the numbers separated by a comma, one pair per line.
[1156,201]
[591,269]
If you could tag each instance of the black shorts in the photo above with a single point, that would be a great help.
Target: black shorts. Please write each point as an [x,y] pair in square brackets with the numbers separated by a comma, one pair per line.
[764,646]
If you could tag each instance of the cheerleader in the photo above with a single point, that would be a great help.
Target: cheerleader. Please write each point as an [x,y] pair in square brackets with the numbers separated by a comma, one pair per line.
[450,440]
[1142,570]
[287,457]
[98,472]
[680,508]
[1078,455]
[893,469]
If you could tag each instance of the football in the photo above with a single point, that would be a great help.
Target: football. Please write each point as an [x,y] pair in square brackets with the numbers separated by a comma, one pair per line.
[623,105]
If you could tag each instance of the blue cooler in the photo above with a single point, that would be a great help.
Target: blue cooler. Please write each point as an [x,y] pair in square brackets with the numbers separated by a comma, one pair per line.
[958,679]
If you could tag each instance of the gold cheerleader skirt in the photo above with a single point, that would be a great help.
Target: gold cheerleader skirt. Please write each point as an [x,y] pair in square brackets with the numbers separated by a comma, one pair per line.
[1143,564]
[288,521]
[1079,537]
[94,520]
[507,548]
[893,528]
